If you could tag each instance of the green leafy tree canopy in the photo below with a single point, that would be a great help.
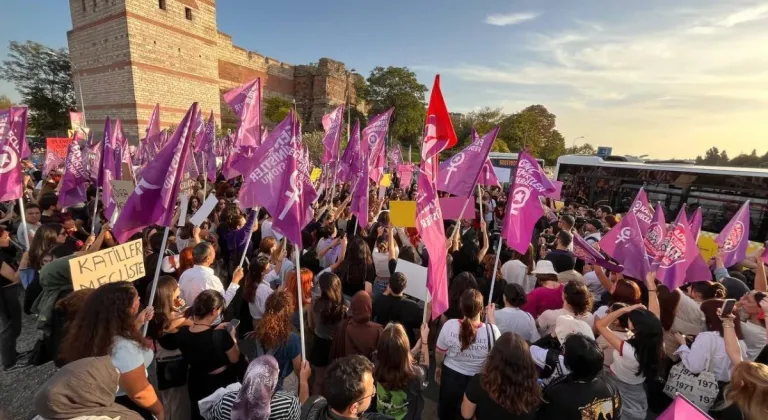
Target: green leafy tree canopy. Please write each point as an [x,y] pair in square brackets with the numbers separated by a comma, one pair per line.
[276,108]
[5,102]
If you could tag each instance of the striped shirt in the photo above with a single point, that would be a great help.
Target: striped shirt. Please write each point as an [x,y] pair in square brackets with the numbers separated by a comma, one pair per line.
[284,406]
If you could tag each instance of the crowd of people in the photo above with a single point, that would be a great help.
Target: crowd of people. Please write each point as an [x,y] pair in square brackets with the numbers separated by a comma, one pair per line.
[554,338]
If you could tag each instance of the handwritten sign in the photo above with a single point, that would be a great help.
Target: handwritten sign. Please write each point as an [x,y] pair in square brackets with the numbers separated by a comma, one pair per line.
[120,263]
[187,186]
[402,213]
[204,210]
[121,190]
[57,146]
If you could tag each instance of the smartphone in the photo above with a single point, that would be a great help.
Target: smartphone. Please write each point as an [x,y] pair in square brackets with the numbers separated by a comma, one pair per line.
[232,326]
[727,307]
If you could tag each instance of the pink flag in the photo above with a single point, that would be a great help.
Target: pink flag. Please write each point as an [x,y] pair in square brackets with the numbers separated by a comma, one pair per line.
[585,252]
[405,172]
[395,157]
[624,243]
[243,160]
[359,203]
[523,204]
[678,253]
[153,202]
[52,162]
[642,210]
[459,174]
[655,234]
[350,160]
[245,100]
[13,134]
[373,138]
[332,123]
[732,241]
[682,409]
[488,175]
[109,169]
[696,222]
[206,148]
[74,178]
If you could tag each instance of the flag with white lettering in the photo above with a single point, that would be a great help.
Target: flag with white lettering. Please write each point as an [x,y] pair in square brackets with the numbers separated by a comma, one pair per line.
[373,142]
[245,100]
[732,241]
[655,234]
[678,253]
[75,176]
[624,243]
[332,123]
[459,174]
[13,134]
[642,209]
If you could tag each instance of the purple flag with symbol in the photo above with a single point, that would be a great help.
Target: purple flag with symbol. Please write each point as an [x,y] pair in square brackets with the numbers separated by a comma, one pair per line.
[655,234]
[74,178]
[350,160]
[459,174]
[642,210]
[395,157]
[678,253]
[373,138]
[93,157]
[696,222]
[52,162]
[624,243]
[488,175]
[243,160]
[332,123]
[13,134]
[523,204]
[245,100]
[585,252]
[359,203]
[732,241]
[153,202]
[109,169]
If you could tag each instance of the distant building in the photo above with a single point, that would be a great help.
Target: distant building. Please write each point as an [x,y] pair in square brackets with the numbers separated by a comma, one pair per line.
[131,54]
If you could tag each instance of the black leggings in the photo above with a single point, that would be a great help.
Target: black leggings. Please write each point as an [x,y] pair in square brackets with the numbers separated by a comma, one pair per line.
[452,387]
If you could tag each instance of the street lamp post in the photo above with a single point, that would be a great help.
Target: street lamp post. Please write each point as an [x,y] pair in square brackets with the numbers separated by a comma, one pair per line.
[573,143]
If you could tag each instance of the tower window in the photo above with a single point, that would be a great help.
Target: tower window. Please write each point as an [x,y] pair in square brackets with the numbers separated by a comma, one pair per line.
[83,5]
[161,4]
[188,13]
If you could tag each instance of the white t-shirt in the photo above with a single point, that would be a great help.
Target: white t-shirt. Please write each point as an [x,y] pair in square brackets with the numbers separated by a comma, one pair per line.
[127,355]
[257,307]
[470,361]
[754,338]
[519,322]
[267,231]
[625,365]
[548,318]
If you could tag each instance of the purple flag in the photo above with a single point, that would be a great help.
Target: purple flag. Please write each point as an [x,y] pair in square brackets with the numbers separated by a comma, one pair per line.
[732,241]
[642,210]
[109,169]
[350,160]
[696,222]
[52,162]
[153,137]
[93,157]
[488,175]
[459,174]
[332,123]
[121,144]
[206,148]
[523,204]
[395,157]
[373,143]
[655,234]
[75,176]
[13,134]
[585,252]
[245,100]
[624,243]
[359,203]
[154,199]
[405,172]
[243,161]
[678,253]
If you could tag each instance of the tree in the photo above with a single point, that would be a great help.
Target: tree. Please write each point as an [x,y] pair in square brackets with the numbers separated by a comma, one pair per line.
[552,147]
[723,158]
[584,149]
[5,102]
[276,108]
[528,128]
[397,87]
[314,142]
[43,77]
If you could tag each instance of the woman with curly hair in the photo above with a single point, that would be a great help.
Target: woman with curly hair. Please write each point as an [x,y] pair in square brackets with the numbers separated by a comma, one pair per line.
[109,324]
[275,337]
[400,379]
[577,302]
[507,388]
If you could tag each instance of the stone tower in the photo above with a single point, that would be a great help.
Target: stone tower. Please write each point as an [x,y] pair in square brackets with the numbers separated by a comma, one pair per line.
[128,55]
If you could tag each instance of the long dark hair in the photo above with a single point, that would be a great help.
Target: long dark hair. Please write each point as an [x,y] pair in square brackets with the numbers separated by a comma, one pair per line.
[163,304]
[42,243]
[205,304]
[510,375]
[709,290]
[648,342]
[105,315]
[713,321]
[331,301]
[668,302]
[471,305]
[394,365]
[461,283]
[256,271]
[358,262]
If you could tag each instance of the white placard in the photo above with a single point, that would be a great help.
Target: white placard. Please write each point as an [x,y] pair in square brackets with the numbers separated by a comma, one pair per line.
[417,279]
[503,174]
[204,210]
[382,192]
[183,209]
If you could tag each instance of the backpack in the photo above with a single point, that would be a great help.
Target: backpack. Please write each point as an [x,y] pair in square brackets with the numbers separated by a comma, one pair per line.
[392,403]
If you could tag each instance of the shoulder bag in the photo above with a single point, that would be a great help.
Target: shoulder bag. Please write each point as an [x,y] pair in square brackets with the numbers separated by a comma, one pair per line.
[701,389]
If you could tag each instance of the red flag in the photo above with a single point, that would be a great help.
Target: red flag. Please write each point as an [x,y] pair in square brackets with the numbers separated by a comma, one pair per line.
[439,133]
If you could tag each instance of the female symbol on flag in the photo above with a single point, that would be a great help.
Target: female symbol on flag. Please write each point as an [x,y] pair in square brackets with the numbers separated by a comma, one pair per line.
[293,195]
[454,163]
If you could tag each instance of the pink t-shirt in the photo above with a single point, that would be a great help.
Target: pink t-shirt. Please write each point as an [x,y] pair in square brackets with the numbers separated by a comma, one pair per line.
[542,299]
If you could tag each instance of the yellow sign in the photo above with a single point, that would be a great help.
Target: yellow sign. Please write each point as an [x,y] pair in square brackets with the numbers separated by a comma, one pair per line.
[402,213]
[708,247]
[120,263]
[386,180]
[315,175]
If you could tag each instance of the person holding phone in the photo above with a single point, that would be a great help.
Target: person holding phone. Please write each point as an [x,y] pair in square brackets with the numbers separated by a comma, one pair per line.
[753,317]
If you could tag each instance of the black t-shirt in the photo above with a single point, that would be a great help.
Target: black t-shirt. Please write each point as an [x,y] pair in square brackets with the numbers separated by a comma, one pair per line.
[486,407]
[7,259]
[205,351]
[568,399]
[353,280]
[561,260]
[400,309]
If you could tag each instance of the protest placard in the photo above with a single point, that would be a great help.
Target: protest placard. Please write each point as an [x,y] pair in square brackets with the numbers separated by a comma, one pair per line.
[121,190]
[386,180]
[451,208]
[57,146]
[183,209]
[417,279]
[123,262]
[204,210]
[315,175]
[402,213]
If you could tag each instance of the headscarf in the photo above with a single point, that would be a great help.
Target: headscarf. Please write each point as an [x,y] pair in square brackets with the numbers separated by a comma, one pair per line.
[358,335]
[255,395]
[85,387]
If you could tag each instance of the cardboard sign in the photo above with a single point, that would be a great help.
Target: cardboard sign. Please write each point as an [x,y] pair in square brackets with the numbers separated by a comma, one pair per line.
[402,213]
[417,279]
[57,146]
[315,175]
[126,172]
[183,209]
[451,208]
[204,210]
[121,190]
[386,180]
[124,262]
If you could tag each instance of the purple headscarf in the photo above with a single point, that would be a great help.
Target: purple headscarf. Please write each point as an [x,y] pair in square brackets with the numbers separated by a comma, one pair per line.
[256,393]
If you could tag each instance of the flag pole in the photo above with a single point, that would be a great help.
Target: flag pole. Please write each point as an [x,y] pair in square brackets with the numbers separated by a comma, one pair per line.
[301,305]
[95,212]
[24,219]
[480,200]
[205,177]
[247,244]
[495,269]
[157,275]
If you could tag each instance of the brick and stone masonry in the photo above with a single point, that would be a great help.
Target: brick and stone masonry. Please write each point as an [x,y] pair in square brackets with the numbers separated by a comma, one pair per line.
[131,54]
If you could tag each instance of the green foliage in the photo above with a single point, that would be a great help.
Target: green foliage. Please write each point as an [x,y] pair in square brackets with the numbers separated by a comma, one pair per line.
[584,149]
[43,77]
[397,87]
[5,102]
[314,142]
[715,157]
[276,108]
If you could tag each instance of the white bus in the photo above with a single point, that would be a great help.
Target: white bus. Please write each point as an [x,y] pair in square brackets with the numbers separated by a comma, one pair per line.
[504,163]
[719,191]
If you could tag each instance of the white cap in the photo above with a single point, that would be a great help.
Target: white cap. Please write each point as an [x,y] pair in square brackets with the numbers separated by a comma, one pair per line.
[544,267]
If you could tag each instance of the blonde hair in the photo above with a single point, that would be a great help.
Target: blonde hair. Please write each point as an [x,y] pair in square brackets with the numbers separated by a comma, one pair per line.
[749,390]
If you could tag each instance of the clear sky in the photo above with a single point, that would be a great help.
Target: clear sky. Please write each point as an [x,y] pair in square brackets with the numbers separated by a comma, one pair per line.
[657,77]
